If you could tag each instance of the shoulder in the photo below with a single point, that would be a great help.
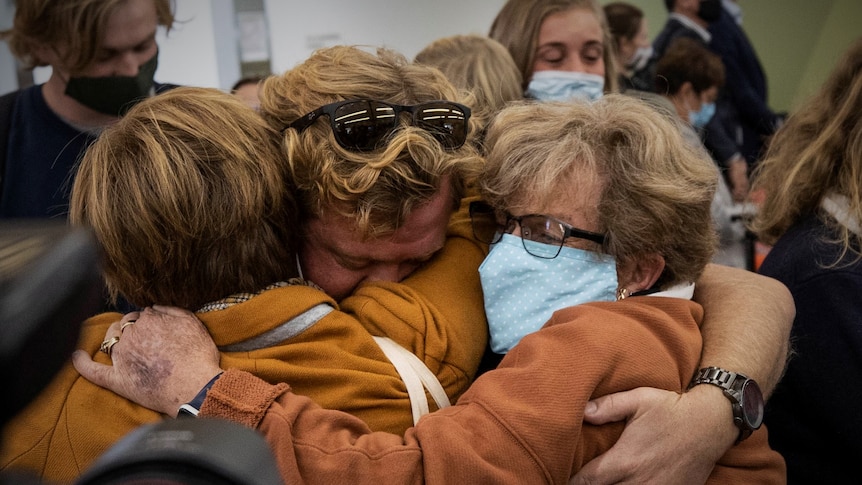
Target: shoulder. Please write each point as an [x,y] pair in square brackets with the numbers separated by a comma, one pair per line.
[165,87]
[805,252]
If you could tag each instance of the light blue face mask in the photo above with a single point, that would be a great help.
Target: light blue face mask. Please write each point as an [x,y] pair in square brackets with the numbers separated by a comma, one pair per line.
[522,291]
[565,86]
[700,118]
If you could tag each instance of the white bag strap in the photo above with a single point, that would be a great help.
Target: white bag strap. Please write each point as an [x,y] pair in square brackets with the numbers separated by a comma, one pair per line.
[416,376]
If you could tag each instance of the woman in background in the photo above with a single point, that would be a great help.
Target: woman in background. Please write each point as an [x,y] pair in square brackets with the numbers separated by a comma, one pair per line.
[562,47]
[631,45]
[812,181]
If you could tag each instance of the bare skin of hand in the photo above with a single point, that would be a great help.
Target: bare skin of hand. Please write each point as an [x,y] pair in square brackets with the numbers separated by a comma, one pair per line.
[160,362]
[668,438]
[737,172]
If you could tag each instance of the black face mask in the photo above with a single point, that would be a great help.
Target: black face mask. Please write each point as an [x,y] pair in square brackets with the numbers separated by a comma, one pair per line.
[709,10]
[113,95]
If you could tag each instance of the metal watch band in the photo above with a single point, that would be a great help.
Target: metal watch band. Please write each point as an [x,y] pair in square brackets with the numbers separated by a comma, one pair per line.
[715,376]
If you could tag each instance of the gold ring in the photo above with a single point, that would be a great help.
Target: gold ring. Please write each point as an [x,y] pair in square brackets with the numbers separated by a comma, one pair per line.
[123,326]
[107,345]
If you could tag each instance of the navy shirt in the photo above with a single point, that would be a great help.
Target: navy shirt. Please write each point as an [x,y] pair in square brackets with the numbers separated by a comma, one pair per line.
[41,159]
[814,417]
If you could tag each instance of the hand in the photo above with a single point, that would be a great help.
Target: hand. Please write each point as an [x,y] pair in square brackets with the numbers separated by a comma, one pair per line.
[161,361]
[737,174]
[669,438]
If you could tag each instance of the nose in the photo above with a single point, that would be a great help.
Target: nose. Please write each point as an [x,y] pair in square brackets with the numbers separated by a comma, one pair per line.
[573,64]
[127,64]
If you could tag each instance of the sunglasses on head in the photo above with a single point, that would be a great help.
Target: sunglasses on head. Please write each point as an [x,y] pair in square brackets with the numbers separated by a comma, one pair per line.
[363,125]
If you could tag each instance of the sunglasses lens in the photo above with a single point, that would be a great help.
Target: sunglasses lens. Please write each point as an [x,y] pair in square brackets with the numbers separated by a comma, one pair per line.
[362,125]
[447,122]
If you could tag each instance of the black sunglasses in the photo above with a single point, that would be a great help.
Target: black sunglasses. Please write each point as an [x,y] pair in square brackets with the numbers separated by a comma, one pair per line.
[534,227]
[363,125]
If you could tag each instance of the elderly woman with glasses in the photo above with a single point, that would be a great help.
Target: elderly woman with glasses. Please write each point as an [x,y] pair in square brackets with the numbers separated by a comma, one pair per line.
[600,218]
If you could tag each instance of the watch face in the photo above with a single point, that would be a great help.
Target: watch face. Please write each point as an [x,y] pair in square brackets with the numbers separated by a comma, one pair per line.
[752,404]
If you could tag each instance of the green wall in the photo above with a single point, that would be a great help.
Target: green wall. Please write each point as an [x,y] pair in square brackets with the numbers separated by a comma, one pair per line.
[797,41]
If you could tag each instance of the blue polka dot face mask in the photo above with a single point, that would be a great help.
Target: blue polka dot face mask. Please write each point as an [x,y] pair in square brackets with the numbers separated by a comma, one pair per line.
[522,291]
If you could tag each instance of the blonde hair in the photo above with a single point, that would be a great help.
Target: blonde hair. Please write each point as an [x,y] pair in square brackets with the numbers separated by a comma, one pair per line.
[189,198]
[73,28]
[375,189]
[817,151]
[517,27]
[657,189]
[480,65]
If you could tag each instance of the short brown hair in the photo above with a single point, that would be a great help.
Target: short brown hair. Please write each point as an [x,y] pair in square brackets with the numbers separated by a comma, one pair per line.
[517,27]
[480,65]
[687,60]
[190,200]
[377,189]
[76,26]
[657,188]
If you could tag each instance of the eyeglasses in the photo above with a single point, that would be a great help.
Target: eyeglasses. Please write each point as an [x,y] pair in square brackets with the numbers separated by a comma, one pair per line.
[549,231]
[363,125]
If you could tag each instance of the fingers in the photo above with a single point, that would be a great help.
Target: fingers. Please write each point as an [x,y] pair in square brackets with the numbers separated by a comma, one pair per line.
[619,406]
[595,472]
[94,372]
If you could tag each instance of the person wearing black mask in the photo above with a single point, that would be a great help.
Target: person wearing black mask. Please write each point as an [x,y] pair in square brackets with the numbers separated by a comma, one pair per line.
[103,56]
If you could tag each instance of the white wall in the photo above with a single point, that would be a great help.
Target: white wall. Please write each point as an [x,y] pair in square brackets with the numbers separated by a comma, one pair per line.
[201,49]
[297,27]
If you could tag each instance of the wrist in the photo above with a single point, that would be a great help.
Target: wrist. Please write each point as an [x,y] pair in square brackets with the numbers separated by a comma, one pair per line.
[714,413]
[193,407]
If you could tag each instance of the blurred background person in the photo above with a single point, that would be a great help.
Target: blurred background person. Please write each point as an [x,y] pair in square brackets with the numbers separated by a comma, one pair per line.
[691,77]
[103,55]
[248,90]
[691,19]
[631,45]
[562,47]
[811,178]
[743,108]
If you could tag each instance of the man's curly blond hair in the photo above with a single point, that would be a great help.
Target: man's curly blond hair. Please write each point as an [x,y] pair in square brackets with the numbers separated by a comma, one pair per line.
[377,189]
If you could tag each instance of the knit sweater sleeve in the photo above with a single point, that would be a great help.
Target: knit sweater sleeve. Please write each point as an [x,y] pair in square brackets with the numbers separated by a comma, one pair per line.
[521,423]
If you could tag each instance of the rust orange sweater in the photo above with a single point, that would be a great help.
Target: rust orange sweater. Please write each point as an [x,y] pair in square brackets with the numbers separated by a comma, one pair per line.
[520,423]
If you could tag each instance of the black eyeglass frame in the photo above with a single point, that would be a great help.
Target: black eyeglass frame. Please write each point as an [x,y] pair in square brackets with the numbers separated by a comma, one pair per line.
[330,110]
[479,207]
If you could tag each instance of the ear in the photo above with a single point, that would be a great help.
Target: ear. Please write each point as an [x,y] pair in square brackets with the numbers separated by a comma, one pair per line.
[686,90]
[640,274]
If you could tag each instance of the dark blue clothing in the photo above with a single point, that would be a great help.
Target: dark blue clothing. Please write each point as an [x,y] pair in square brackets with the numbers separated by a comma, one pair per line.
[718,142]
[673,29]
[742,107]
[41,159]
[814,416]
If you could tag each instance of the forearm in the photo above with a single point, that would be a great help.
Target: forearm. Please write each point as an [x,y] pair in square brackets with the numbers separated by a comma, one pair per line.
[747,323]
[314,445]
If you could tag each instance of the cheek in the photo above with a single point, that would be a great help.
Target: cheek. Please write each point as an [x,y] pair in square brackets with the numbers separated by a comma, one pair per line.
[598,68]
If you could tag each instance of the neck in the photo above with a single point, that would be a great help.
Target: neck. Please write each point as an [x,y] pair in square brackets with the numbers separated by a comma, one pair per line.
[68,109]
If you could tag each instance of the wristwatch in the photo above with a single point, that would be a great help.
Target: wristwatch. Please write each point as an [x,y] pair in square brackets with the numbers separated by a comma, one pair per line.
[744,394]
